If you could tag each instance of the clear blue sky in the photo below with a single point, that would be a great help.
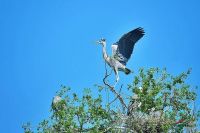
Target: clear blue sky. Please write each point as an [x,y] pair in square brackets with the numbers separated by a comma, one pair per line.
[46,43]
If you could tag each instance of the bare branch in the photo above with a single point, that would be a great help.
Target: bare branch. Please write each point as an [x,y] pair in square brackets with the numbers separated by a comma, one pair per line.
[115,97]
[113,89]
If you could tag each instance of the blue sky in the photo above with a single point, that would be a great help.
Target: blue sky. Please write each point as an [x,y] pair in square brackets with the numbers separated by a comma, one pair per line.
[48,43]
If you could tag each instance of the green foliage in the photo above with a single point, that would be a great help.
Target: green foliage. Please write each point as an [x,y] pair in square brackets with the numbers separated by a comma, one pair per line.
[157,91]
[76,114]
[165,93]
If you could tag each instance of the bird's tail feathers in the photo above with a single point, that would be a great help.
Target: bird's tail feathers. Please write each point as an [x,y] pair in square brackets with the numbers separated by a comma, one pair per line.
[127,71]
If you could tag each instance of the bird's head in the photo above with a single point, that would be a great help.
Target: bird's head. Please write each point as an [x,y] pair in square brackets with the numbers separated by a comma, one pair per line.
[102,41]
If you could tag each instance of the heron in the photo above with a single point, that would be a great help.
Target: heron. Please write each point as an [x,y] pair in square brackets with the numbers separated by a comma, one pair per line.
[121,51]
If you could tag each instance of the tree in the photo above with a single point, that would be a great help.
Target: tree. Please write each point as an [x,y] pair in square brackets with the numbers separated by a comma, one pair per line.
[155,101]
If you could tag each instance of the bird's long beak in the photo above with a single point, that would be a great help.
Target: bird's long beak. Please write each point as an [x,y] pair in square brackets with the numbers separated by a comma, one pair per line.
[97,42]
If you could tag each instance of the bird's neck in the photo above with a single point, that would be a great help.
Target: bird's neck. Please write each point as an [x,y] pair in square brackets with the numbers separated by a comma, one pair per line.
[105,56]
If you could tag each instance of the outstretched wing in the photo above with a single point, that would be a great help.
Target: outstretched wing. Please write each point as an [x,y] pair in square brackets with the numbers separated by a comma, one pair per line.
[126,44]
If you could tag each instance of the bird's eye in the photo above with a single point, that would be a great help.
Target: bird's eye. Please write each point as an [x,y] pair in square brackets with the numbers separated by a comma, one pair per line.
[103,39]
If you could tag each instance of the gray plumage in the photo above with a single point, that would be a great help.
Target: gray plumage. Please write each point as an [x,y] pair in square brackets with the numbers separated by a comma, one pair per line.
[122,50]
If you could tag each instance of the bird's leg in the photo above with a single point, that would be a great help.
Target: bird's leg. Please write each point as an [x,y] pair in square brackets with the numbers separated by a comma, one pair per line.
[116,76]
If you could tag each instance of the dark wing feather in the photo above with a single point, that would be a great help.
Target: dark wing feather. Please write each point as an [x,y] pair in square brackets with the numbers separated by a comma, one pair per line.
[126,44]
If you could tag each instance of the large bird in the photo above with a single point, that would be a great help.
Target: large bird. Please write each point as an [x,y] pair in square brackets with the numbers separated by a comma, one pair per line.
[121,51]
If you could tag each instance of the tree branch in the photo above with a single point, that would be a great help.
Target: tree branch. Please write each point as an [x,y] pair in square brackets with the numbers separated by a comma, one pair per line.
[115,97]
[113,89]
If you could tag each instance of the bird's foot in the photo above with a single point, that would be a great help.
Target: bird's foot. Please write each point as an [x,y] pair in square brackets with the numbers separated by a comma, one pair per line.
[117,79]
